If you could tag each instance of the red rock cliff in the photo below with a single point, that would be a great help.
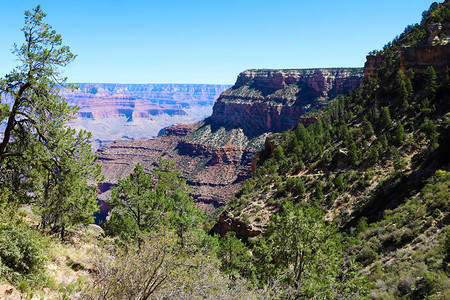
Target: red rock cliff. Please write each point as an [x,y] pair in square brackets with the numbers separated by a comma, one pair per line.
[273,100]
[215,155]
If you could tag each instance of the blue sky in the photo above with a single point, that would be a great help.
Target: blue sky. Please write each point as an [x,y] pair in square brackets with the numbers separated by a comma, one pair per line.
[210,41]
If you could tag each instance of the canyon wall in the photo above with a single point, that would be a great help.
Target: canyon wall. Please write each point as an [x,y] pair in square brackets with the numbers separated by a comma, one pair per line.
[279,97]
[138,111]
[215,155]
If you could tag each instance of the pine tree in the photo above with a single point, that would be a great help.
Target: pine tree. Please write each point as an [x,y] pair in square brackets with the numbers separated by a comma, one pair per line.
[235,257]
[430,81]
[367,128]
[399,136]
[385,118]
[42,161]
[142,202]
[353,155]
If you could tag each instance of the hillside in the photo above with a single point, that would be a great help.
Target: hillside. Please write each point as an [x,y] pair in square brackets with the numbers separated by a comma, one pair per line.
[342,179]
[376,163]
[215,154]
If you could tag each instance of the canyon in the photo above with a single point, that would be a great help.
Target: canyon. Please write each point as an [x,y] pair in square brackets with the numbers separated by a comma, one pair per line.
[137,111]
[215,154]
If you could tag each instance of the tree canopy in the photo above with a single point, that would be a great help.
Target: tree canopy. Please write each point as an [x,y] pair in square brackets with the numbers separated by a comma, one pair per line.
[42,160]
[143,202]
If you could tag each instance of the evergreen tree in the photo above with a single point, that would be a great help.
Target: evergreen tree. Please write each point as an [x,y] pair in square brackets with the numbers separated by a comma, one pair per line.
[134,204]
[399,136]
[235,257]
[373,155]
[367,128]
[340,183]
[42,161]
[143,202]
[385,118]
[430,81]
[279,154]
[401,89]
[353,155]
[431,132]
[296,186]
[409,93]
[297,243]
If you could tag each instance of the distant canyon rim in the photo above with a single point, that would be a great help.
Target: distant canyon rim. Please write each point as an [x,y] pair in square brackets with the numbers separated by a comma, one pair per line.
[138,111]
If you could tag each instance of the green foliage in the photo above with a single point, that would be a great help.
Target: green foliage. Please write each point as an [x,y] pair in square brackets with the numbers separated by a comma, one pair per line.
[385,118]
[437,192]
[134,205]
[430,81]
[353,155]
[22,249]
[69,196]
[235,257]
[340,182]
[144,202]
[296,186]
[362,225]
[399,136]
[42,161]
[430,130]
[367,255]
[446,245]
[299,244]
[367,129]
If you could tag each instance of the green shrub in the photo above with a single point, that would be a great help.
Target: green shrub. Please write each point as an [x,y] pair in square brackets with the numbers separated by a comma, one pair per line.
[447,245]
[405,284]
[22,251]
[367,255]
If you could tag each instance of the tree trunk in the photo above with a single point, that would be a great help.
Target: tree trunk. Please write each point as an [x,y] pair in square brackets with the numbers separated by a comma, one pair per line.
[12,120]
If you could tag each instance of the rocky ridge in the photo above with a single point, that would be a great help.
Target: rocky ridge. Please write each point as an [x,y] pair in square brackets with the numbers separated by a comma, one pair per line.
[215,154]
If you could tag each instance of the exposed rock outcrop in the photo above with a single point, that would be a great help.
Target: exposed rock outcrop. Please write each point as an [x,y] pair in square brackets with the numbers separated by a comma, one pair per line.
[279,97]
[215,155]
[432,52]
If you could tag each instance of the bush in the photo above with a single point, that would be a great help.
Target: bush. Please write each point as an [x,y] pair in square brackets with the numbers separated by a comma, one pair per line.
[22,249]
[404,285]
[367,255]
[447,245]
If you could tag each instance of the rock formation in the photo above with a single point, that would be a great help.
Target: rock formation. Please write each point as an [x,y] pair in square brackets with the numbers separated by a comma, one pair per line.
[215,154]
[137,111]
[433,51]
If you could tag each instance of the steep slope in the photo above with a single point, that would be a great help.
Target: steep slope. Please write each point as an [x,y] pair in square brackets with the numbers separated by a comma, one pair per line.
[376,163]
[137,111]
[215,154]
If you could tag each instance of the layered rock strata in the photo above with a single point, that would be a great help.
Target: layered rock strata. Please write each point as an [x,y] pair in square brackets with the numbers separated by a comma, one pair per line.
[215,154]
[138,111]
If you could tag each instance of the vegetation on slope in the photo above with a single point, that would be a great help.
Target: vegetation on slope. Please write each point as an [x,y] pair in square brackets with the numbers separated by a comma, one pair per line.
[372,164]
[353,206]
